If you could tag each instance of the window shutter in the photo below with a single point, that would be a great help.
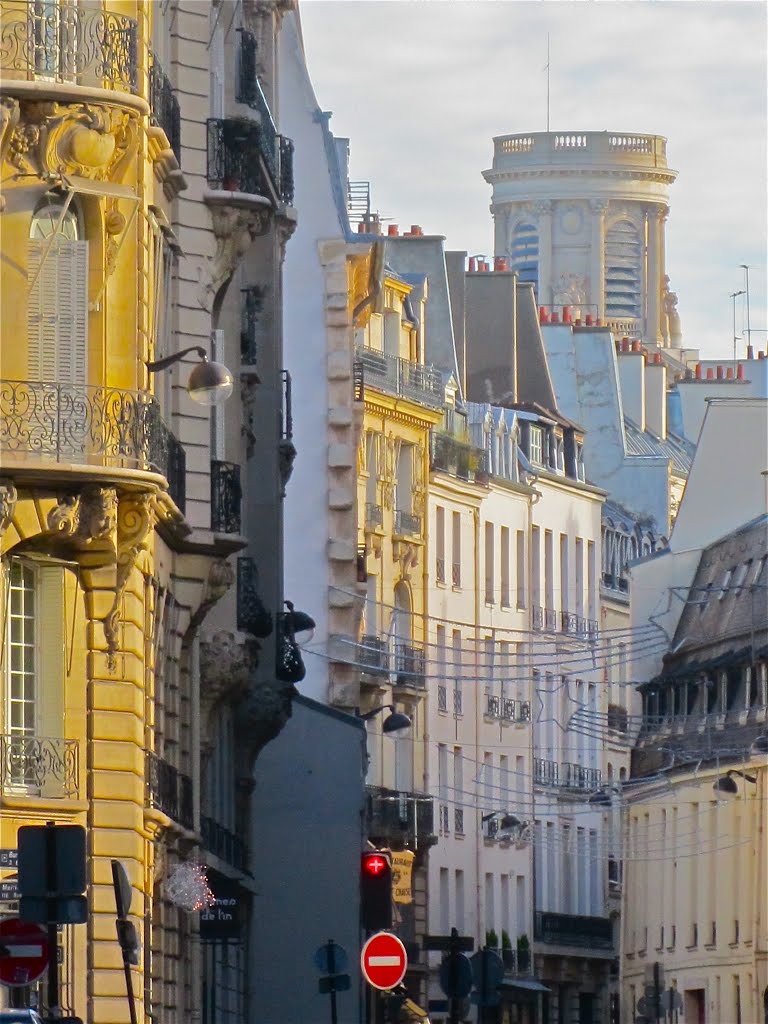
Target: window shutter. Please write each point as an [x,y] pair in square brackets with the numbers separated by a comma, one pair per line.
[57,312]
[51,643]
[41,313]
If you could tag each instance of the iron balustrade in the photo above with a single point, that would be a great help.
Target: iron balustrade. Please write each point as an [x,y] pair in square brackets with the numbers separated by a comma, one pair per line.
[393,814]
[440,570]
[358,381]
[545,772]
[247,76]
[537,616]
[39,765]
[573,930]
[68,43]
[593,630]
[226,497]
[618,583]
[462,460]
[456,574]
[445,823]
[286,182]
[409,665]
[169,790]
[250,320]
[524,710]
[458,701]
[165,111]
[550,619]
[252,616]
[509,709]
[565,775]
[223,843]
[398,376]
[442,697]
[493,706]
[250,157]
[374,514]
[76,424]
[373,653]
[407,524]
[568,622]
[458,821]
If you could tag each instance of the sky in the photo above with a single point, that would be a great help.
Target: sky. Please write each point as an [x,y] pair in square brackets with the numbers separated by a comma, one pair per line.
[421,87]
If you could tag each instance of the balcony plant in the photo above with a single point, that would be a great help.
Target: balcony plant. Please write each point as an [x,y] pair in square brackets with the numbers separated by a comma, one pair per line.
[491,939]
[507,953]
[523,953]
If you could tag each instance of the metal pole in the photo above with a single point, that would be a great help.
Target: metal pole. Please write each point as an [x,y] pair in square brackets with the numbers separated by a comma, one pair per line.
[332,972]
[734,296]
[745,268]
[54,1010]
[129,988]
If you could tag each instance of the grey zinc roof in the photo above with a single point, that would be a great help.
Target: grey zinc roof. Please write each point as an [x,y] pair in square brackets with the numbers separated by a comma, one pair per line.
[644,442]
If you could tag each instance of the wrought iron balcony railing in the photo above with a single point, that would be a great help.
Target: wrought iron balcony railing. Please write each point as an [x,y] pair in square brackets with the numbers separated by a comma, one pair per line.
[537,616]
[226,496]
[440,570]
[456,574]
[374,515]
[165,111]
[545,772]
[409,665]
[573,930]
[169,790]
[39,766]
[250,157]
[251,324]
[458,821]
[565,775]
[91,426]
[442,697]
[397,815]
[63,42]
[568,622]
[493,706]
[223,843]
[397,376]
[252,616]
[407,524]
[464,461]
[372,652]
[550,620]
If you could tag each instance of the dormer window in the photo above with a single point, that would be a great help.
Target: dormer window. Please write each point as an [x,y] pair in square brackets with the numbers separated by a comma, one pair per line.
[536,446]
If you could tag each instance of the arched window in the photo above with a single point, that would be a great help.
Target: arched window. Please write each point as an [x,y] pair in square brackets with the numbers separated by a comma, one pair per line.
[623,257]
[524,253]
[57,303]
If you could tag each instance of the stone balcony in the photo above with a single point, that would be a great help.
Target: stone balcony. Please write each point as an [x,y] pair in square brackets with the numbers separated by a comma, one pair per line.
[573,148]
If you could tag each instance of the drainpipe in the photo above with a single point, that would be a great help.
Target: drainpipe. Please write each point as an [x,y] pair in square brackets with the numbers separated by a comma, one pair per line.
[194,673]
[476,702]
[535,496]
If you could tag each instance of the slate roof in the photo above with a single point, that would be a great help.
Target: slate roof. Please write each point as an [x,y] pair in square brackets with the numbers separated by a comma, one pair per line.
[644,442]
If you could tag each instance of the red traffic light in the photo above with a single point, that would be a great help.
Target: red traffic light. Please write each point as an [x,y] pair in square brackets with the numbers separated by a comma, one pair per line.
[375,864]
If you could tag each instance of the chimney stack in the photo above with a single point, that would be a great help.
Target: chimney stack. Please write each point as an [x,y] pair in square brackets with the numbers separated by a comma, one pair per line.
[631,362]
[656,396]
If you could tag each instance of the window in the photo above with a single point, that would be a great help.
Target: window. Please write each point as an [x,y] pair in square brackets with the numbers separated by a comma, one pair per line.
[21,665]
[505,567]
[549,597]
[623,257]
[460,901]
[456,552]
[726,582]
[57,304]
[489,566]
[535,567]
[440,543]
[579,554]
[591,580]
[536,446]
[564,602]
[524,253]
[404,488]
[521,574]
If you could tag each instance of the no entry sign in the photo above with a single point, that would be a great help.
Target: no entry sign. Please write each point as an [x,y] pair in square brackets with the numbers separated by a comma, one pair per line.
[23,952]
[383,960]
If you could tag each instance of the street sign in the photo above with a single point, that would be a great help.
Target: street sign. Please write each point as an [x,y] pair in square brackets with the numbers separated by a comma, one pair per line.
[9,890]
[24,952]
[331,951]
[487,972]
[334,983]
[442,943]
[221,921]
[9,858]
[383,960]
[456,975]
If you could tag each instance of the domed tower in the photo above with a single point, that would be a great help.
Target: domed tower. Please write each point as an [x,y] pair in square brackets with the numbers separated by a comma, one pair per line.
[582,216]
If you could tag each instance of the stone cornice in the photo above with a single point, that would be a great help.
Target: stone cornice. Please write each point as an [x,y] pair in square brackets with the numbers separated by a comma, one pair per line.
[667,177]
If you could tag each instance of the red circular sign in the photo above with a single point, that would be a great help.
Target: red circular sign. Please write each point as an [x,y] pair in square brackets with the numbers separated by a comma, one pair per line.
[383,960]
[24,952]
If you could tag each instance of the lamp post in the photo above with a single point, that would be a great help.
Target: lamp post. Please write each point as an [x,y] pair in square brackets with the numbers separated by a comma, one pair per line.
[209,383]
[734,296]
[396,724]
[725,785]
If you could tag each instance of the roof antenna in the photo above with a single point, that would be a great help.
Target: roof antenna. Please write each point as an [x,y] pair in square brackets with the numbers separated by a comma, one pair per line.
[546,68]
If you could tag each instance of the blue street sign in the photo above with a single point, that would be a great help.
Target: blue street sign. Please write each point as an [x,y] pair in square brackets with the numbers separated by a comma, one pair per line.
[456,976]
[487,972]
[9,890]
[9,858]
[335,983]
[322,959]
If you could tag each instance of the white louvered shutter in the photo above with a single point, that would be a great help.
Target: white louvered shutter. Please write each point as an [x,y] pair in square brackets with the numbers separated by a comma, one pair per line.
[57,312]
[51,645]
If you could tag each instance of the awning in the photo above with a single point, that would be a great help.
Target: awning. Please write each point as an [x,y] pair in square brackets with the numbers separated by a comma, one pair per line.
[524,983]
[92,187]
[414,1012]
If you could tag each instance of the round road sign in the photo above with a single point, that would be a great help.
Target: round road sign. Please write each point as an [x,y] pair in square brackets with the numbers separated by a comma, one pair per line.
[383,960]
[23,952]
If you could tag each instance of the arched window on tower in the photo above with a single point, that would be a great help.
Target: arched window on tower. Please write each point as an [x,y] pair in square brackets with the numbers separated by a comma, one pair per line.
[623,257]
[57,303]
[524,253]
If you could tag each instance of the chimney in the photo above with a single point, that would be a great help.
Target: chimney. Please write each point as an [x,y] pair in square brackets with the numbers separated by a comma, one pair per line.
[392,230]
[719,373]
[710,373]
[656,396]
[472,265]
[632,382]
[740,371]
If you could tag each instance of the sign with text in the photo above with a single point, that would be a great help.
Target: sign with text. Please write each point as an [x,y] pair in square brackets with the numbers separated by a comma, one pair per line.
[402,871]
[222,921]
[9,859]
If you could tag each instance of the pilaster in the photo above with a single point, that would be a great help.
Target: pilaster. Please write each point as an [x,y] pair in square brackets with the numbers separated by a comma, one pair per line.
[597,260]
[654,276]
[544,211]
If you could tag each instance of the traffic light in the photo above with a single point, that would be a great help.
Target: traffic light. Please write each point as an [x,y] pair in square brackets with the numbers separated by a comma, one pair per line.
[375,891]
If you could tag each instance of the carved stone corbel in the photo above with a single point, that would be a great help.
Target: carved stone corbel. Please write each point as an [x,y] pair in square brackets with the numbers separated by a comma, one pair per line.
[135,519]
[407,554]
[88,516]
[221,576]
[286,455]
[226,670]
[235,229]
[9,118]
[8,496]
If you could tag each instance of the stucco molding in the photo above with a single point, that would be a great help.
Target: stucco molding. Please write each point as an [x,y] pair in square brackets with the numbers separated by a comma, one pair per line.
[88,516]
[135,520]
[235,228]
[8,498]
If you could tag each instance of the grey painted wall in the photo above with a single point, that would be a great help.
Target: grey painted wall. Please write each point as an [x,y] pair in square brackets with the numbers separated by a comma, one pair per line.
[307,839]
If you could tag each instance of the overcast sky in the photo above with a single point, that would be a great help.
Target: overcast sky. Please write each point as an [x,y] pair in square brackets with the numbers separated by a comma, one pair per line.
[422,86]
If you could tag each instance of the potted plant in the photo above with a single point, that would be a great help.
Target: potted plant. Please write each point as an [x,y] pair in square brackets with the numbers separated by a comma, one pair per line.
[491,939]
[507,953]
[523,953]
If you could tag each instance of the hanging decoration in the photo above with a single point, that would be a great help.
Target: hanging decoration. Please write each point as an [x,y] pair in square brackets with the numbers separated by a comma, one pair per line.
[187,887]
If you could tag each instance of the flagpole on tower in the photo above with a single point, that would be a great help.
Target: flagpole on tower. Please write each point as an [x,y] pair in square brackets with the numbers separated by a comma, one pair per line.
[547,70]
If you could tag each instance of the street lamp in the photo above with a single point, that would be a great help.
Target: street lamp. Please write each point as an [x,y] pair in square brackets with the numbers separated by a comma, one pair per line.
[396,724]
[726,785]
[759,746]
[299,625]
[208,384]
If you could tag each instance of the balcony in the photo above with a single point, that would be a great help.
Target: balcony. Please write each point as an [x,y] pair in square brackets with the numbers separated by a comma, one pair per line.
[252,616]
[224,844]
[409,666]
[573,930]
[407,524]
[515,710]
[67,43]
[456,575]
[550,620]
[493,706]
[442,697]
[165,111]
[39,766]
[399,817]
[226,496]
[248,157]
[397,376]
[169,790]
[537,616]
[74,425]
[374,516]
[449,455]
[565,775]
[373,654]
